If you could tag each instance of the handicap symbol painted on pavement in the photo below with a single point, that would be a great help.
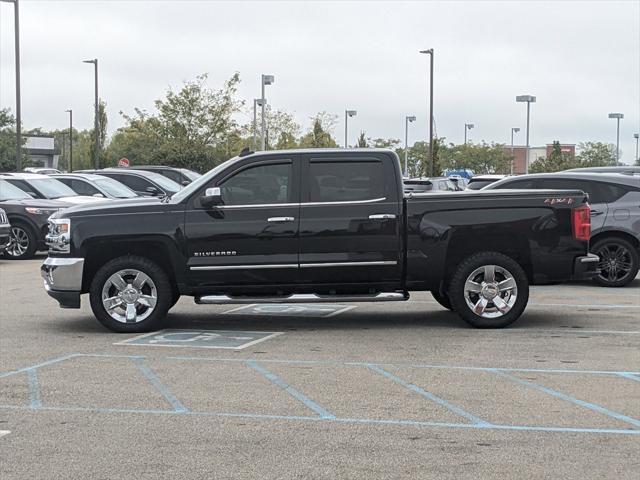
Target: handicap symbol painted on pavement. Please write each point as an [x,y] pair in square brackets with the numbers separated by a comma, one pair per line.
[292,309]
[229,339]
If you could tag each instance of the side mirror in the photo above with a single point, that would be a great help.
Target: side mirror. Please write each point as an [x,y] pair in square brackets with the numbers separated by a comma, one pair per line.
[211,197]
[98,195]
[185,183]
[152,191]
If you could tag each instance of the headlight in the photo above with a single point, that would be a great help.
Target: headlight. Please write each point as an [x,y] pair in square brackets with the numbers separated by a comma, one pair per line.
[59,235]
[41,211]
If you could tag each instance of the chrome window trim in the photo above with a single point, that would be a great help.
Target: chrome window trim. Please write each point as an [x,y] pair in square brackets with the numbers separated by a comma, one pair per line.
[348,264]
[301,204]
[243,267]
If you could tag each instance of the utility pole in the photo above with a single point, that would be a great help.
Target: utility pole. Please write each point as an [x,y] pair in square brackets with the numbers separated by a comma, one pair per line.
[70,140]
[513,130]
[96,155]
[407,119]
[430,53]
[16,31]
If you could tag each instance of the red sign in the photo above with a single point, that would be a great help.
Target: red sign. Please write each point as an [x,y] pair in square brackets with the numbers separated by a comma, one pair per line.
[123,162]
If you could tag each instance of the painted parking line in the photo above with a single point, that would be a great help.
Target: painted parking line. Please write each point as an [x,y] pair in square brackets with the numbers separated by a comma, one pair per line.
[313,310]
[276,380]
[43,364]
[153,379]
[555,305]
[630,376]
[4,432]
[187,338]
[34,389]
[576,401]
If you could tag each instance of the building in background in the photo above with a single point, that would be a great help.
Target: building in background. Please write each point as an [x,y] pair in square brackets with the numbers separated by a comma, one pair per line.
[42,151]
[520,151]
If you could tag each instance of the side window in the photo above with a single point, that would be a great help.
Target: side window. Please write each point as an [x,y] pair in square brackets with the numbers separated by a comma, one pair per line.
[595,193]
[83,188]
[611,193]
[519,184]
[259,185]
[172,175]
[342,181]
[135,183]
[24,186]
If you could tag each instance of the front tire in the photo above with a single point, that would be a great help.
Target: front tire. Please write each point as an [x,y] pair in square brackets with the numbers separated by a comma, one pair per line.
[618,264]
[23,242]
[442,299]
[130,294]
[489,290]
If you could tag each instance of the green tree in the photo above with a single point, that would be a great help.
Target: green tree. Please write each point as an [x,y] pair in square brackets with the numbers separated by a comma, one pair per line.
[8,142]
[102,135]
[555,162]
[362,140]
[319,136]
[481,158]
[596,154]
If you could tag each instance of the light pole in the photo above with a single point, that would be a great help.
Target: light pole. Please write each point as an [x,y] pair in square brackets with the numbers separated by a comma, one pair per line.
[265,80]
[467,126]
[617,116]
[529,99]
[70,139]
[257,102]
[16,31]
[430,53]
[513,130]
[637,136]
[96,153]
[347,114]
[407,120]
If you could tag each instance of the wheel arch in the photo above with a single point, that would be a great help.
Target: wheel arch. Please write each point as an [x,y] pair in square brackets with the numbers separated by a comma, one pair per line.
[615,234]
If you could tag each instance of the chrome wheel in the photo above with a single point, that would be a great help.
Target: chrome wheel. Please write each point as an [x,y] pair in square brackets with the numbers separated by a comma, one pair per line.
[19,242]
[129,296]
[615,262]
[490,291]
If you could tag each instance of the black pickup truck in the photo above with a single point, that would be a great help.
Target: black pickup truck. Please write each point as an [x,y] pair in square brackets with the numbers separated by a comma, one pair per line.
[312,226]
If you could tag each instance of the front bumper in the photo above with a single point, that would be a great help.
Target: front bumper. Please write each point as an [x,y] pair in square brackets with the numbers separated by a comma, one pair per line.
[5,236]
[63,280]
[585,267]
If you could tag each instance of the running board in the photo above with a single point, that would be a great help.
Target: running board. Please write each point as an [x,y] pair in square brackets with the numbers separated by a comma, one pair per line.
[303,298]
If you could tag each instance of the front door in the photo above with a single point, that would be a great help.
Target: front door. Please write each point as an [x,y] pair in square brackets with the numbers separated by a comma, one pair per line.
[350,220]
[252,237]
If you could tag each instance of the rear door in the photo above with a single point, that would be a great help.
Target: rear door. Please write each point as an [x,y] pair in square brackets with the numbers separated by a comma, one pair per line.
[350,219]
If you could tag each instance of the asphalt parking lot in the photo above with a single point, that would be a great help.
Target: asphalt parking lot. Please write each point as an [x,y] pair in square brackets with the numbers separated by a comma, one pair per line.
[398,390]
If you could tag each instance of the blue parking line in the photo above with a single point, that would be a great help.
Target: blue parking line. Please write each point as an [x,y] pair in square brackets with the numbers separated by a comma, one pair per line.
[569,398]
[630,376]
[275,379]
[159,386]
[354,421]
[34,389]
[414,388]
[43,364]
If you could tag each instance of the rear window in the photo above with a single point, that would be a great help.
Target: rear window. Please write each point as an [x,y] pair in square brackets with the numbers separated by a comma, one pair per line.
[340,181]
[478,184]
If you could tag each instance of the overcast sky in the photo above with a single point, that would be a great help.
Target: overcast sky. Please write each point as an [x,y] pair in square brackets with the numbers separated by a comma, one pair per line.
[580,58]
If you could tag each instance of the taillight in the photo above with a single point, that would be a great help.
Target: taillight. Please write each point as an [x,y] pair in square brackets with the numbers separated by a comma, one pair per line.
[582,223]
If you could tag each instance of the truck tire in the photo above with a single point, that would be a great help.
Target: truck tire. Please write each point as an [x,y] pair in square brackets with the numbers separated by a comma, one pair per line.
[618,263]
[489,290]
[442,299]
[23,242]
[130,294]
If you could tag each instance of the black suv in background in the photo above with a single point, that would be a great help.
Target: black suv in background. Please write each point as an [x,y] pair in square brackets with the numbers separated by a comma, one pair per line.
[28,217]
[147,184]
[182,176]
[615,217]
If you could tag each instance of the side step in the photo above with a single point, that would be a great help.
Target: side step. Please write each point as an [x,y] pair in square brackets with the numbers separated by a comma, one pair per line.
[303,298]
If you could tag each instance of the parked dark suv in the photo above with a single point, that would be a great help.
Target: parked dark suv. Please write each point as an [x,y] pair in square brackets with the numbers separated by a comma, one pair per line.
[182,176]
[28,217]
[615,217]
[5,231]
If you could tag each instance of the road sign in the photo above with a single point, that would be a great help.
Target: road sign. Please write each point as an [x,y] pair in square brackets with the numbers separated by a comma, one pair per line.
[123,162]
[292,309]
[229,339]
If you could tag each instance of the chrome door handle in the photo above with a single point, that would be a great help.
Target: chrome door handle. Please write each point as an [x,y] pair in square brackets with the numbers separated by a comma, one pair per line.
[280,219]
[595,213]
[382,216]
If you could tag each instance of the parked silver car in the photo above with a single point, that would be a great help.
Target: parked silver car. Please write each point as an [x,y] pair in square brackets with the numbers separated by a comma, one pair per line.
[615,217]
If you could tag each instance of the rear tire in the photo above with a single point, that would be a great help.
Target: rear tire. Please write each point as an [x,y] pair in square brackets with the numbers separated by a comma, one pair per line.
[618,263]
[442,299]
[23,242]
[131,294]
[489,290]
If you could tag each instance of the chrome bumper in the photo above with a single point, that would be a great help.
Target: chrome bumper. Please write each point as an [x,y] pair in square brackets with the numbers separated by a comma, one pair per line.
[63,274]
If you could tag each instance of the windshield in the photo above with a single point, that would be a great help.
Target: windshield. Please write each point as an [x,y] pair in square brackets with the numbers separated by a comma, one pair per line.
[11,192]
[51,188]
[190,174]
[114,188]
[202,180]
[168,185]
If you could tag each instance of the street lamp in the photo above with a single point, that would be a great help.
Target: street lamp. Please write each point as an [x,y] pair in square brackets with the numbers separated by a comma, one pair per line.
[257,102]
[513,130]
[467,126]
[70,139]
[347,114]
[617,116]
[16,31]
[96,153]
[266,80]
[407,120]
[637,136]
[529,99]
[430,53]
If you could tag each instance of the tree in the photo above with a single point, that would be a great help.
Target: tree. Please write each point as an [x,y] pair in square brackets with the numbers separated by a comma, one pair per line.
[319,136]
[480,158]
[596,154]
[362,141]
[555,162]
[8,142]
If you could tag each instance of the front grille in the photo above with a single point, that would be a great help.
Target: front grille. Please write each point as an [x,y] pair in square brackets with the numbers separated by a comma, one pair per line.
[3,217]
